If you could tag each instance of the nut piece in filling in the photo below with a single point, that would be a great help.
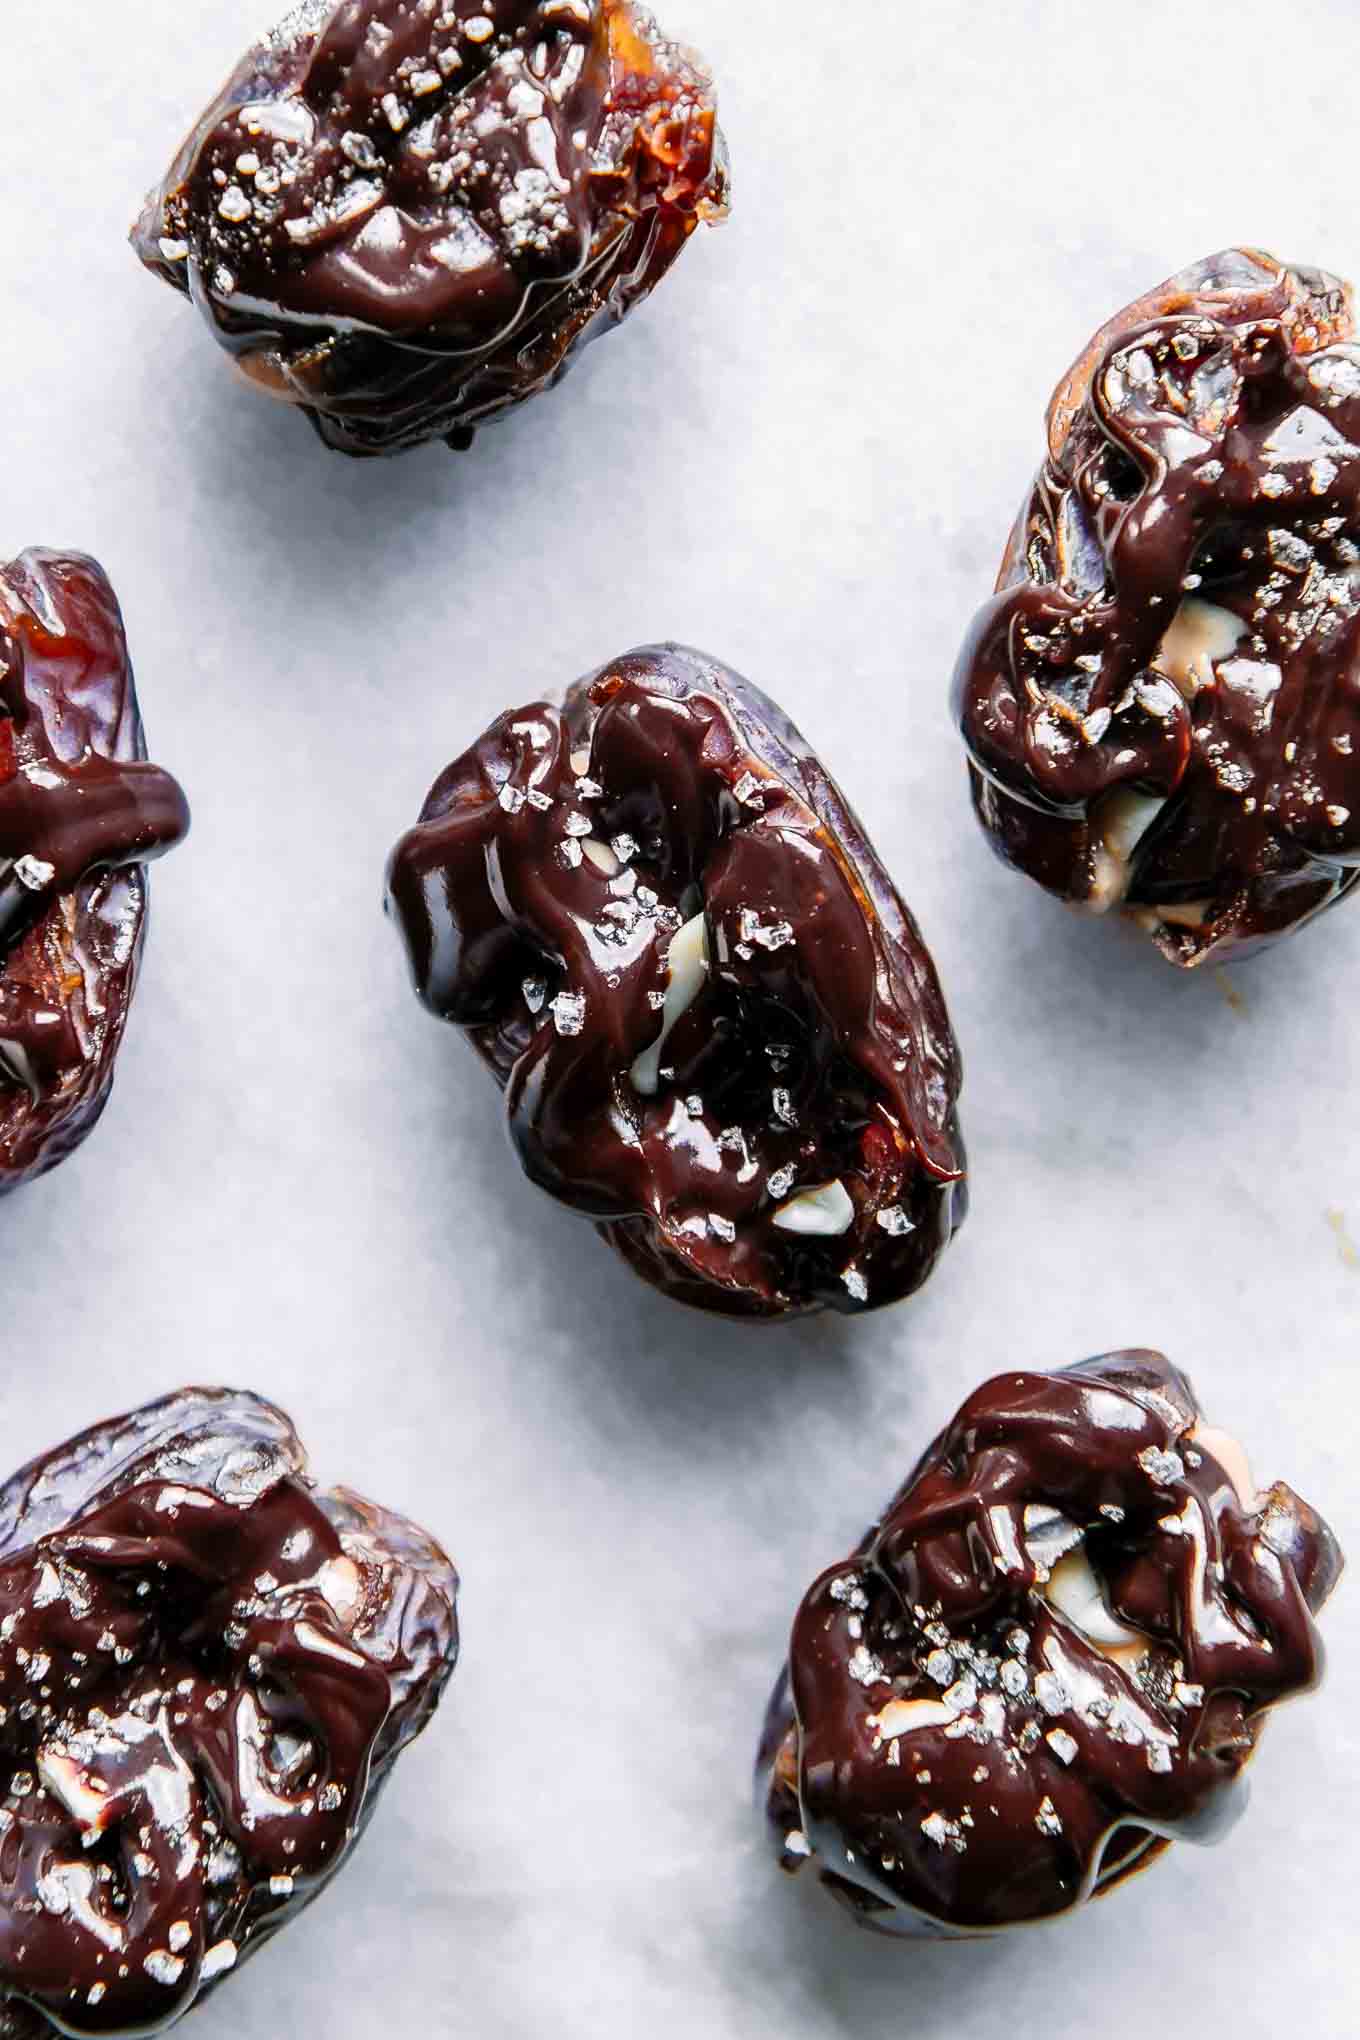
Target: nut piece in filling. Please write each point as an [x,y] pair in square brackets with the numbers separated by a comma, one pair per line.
[208,1668]
[408,218]
[1162,703]
[81,814]
[718,1029]
[1052,1657]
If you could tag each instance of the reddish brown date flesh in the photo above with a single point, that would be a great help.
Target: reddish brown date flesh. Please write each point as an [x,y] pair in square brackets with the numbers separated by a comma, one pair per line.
[718,1029]
[1162,703]
[408,220]
[208,1668]
[1052,1657]
[81,814]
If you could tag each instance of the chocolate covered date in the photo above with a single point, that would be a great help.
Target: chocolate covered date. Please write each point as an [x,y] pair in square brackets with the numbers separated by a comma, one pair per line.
[1053,1656]
[1161,704]
[407,217]
[81,814]
[718,1029]
[208,1668]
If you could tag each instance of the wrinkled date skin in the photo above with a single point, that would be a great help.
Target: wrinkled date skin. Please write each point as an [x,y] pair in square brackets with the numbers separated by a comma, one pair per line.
[717,1026]
[1162,704]
[407,217]
[81,814]
[1051,1657]
[207,1670]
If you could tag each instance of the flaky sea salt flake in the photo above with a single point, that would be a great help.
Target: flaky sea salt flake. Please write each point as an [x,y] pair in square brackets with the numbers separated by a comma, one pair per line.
[1163,1467]
[569,1012]
[864,1668]
[1047,1819]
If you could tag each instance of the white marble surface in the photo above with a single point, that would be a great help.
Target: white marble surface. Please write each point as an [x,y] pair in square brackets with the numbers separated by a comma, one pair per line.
[803,456]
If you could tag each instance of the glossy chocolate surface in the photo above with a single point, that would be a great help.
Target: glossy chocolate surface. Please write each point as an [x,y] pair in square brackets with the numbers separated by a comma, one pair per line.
[81,813]
[1162,704]
[207,1670]
[407,218]
[1052,1656]
[718,1029]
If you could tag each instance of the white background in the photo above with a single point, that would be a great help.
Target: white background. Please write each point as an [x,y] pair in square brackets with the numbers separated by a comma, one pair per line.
[803,456]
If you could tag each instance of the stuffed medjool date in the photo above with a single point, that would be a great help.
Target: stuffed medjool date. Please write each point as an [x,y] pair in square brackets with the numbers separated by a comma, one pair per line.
[717,1026]
[1162,704]
[407,218]
[1053,1656]
[208,1668]
[81,814]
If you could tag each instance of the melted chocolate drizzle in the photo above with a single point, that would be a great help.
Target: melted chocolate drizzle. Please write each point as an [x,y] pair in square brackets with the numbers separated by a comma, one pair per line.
[81,814]
[1052,1656]
[207,1670]
[1161,704]
[667,936]
[407,219]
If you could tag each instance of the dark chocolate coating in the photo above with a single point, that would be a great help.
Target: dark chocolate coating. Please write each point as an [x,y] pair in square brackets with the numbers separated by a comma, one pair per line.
[407,219]
[81,814]
[554,865]
[1205,450]
[207,1671]
[963,1739]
